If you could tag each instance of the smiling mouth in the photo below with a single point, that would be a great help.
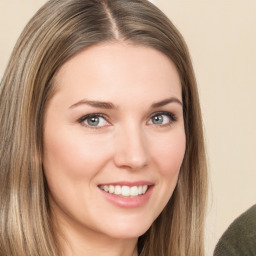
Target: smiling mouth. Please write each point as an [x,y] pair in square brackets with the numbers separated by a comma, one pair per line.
[125,191]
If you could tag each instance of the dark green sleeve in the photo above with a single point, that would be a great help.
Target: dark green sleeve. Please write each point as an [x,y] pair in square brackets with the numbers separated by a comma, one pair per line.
[240,238]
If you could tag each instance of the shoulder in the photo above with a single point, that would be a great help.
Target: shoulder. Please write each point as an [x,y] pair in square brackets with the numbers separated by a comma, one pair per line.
[240,237]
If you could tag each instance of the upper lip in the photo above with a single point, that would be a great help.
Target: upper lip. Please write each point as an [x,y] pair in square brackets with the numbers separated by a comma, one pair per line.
[128,183]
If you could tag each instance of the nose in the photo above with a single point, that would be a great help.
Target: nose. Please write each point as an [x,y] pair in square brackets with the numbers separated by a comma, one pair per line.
[131,151]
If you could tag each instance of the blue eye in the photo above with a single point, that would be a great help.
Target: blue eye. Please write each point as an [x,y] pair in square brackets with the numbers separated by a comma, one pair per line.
[162,119]
[94,120]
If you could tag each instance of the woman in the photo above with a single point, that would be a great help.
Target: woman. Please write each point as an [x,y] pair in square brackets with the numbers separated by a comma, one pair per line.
[102,147]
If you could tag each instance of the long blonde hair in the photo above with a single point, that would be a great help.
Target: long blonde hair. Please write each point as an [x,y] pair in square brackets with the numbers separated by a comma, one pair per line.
[58,31]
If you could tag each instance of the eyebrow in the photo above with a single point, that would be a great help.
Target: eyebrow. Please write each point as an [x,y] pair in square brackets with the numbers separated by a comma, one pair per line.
[109,105]
[95,104]
[166,101]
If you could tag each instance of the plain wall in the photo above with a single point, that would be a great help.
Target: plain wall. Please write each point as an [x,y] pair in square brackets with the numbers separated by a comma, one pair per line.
[221,36]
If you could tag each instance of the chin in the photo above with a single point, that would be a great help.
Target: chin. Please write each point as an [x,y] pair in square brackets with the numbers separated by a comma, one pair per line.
[128,231]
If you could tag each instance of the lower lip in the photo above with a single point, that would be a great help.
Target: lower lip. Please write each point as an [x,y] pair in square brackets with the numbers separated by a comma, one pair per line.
[128,202]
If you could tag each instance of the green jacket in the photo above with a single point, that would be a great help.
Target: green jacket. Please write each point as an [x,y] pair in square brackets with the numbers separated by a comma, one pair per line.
[240,238]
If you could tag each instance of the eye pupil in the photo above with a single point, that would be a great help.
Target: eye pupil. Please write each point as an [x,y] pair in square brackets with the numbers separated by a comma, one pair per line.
[157,119]
[93,121]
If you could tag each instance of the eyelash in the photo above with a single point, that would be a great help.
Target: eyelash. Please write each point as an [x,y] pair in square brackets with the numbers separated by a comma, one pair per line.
[170,115]
[94,115]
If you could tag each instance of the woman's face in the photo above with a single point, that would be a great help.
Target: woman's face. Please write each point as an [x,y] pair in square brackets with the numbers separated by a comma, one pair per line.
[114,140]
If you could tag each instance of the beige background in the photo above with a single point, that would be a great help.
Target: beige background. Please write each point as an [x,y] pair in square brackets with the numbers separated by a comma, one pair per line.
[221,35]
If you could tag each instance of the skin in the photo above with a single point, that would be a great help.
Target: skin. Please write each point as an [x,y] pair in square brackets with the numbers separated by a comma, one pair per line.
[126,145]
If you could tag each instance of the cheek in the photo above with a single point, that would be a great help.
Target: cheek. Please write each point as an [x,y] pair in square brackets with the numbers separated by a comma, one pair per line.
[169,154]
[73,154]
[70,164]
[61,155]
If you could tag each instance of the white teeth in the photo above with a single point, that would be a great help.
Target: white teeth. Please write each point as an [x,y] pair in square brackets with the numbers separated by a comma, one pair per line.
[134,191]
[118,190]
[144,189]
[125,191]
[111,189]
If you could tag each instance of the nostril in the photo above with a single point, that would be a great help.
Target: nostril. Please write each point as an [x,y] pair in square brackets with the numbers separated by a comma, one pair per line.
[131,163]
[130,147]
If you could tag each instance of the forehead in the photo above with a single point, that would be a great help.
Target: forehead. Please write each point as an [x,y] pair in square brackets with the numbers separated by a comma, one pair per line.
[109,69]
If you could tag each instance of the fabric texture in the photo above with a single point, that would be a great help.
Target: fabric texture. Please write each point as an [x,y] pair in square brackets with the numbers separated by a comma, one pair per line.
[240,238]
